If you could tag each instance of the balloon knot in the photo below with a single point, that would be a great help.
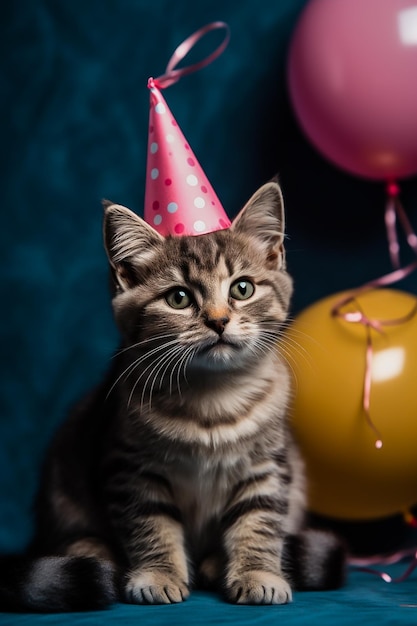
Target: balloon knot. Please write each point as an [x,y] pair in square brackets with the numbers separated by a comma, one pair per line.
[393,189]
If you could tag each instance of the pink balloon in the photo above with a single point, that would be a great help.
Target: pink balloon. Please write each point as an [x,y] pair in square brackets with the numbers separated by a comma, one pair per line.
[352,74]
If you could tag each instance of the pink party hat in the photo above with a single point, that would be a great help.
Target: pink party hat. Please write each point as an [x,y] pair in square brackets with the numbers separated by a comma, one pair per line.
[179,199]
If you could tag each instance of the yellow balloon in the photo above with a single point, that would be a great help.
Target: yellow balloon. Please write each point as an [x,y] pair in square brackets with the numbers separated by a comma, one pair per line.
[348,476]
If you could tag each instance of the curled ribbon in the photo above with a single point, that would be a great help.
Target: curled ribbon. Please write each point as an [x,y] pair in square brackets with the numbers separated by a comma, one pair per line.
[173,74]
[393,210]
[363,565]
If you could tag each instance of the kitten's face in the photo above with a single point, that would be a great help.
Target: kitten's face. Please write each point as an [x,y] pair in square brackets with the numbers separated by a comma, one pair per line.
[213,302]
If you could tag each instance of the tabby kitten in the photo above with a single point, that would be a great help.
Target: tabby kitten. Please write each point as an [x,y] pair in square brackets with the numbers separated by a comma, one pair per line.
[180,469]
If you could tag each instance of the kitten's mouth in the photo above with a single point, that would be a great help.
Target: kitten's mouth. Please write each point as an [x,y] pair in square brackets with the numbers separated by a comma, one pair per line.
[220,346]
[220,341]
[221,354]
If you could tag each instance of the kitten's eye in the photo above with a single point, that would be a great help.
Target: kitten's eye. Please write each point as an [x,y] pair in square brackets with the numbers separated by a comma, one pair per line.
[242,290]
[178,299]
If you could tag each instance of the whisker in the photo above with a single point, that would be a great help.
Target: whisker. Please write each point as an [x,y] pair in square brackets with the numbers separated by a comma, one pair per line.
[187,362]
[179,349]
[154,365]
[291,366]
[266,344]
[298,331]
[132,366]
[184,359]
[282,337]
[291,346]
[171,376]
[166,361]
[142,342]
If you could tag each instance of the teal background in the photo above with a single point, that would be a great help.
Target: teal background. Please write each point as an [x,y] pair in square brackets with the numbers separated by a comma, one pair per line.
[73,130]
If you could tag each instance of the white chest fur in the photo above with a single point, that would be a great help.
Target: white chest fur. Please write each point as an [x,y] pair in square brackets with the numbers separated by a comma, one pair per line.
[202,490]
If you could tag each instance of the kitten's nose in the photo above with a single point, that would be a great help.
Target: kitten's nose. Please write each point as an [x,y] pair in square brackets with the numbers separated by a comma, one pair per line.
[218,324]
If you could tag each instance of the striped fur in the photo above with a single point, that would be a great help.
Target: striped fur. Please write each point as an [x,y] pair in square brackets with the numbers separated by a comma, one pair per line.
[180,469]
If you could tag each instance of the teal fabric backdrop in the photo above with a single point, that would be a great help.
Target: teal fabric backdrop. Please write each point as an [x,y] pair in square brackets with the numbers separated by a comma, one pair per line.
[73,124]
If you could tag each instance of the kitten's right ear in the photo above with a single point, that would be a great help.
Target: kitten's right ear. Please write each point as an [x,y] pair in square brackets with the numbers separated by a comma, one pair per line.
[129,242]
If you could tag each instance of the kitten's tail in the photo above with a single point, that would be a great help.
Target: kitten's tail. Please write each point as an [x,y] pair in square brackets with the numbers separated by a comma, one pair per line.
[54,584]
[315,559]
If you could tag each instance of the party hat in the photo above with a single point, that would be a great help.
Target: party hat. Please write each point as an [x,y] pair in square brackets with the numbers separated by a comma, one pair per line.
[179,199]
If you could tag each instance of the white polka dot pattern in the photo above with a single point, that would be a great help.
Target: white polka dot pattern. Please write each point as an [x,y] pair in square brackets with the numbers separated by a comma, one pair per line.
[179,199]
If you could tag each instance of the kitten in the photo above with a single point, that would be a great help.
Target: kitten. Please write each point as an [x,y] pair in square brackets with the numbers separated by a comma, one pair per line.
[180,469]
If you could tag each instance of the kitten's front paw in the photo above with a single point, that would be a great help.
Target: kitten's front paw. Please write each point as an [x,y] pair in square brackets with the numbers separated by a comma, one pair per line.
[155,588]
[258,588]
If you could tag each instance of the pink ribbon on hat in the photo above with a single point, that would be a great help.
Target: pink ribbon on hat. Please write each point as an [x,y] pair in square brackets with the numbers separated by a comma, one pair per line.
[179,198]
[173,74]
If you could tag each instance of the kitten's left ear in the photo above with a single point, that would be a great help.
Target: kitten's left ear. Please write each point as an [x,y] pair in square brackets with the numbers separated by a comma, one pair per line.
[262,217]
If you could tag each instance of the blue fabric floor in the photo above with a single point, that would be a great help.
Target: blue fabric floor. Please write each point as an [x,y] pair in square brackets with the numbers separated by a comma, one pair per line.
[364,599]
